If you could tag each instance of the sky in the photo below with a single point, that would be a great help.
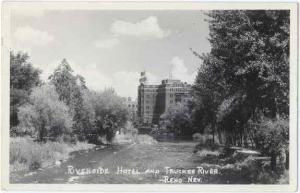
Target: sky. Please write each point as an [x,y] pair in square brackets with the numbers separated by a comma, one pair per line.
[110,48]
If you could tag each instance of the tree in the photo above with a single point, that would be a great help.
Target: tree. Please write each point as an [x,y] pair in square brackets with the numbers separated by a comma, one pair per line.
[23,77]
[45,116]
[247,69]
[177,119]
[64,81]
[70,90]
[110,113]
[209,90]
[89,116]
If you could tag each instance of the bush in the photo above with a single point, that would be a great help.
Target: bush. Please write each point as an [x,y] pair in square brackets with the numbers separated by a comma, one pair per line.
[198,137]
[205,142]
[25,154]
[284,178]
[145,140]
[271,137]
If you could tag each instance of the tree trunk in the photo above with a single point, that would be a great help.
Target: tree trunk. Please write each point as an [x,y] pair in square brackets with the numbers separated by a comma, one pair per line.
[213,134]
[273,161]
[213,129]
[220,136]
[42,131]
[287,160]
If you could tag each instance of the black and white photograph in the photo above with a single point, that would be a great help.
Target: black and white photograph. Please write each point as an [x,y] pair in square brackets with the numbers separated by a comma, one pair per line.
[150,96]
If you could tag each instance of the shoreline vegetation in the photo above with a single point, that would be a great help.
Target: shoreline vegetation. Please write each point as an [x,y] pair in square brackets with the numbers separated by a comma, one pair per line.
[28,155]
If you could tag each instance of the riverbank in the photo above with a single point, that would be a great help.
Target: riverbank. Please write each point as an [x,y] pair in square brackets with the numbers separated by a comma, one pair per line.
[58,174]
[28,155]
[153,163]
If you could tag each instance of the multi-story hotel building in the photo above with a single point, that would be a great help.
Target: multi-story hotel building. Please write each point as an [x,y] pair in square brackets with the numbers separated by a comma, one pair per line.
[154,100]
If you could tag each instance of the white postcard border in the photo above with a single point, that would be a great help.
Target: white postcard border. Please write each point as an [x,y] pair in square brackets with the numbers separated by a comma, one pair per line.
[6,10]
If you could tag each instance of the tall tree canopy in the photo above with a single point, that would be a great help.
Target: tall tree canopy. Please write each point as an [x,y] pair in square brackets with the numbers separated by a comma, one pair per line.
[23,77]
[247,70]
[70,90]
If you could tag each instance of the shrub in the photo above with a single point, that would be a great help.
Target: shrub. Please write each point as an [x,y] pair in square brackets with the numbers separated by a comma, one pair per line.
[271,137]
[284,178]
[25,154]
[198,137]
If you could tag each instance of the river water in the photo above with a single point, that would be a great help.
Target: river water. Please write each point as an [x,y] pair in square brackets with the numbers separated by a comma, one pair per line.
[132,164]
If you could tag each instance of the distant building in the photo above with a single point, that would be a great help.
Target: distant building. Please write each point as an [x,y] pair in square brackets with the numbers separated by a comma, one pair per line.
[154,100]
[132,108]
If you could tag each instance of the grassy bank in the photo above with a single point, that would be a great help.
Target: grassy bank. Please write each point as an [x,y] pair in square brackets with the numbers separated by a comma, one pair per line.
[25,154]
[238,165]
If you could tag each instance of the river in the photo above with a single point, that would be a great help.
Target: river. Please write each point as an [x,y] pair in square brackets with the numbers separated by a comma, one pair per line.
[141,164]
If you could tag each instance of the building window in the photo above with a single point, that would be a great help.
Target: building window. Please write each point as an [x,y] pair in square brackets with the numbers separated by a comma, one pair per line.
[171,95]
[128,105]
[171,101]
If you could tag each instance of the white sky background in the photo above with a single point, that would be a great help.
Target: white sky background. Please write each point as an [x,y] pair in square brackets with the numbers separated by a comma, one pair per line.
[111,48]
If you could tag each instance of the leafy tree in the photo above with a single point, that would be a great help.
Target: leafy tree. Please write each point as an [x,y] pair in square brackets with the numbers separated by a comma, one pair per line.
[246,71]
[64,81]
[70,88]
[88,108]
[23,77]
[45,116]
[177,119]
[209,90]
[110,113]
[94,114]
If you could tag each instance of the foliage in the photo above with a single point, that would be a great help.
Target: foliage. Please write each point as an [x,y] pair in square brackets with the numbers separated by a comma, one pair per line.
[23,77]
[89,115]
[272,138]
[110,113]
[208,94]
[22,74]
[25,154]
[66,110]
[45,115]
[245,73]
[70,89]
[272,135]
[177,119]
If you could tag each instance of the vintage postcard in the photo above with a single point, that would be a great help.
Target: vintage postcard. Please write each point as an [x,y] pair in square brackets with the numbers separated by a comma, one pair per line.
[149,96]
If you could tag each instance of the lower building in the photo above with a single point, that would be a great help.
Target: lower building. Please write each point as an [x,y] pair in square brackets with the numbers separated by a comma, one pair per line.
[132,109]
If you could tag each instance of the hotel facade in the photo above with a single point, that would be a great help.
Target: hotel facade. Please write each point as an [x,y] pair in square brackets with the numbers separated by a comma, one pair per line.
[154,100]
